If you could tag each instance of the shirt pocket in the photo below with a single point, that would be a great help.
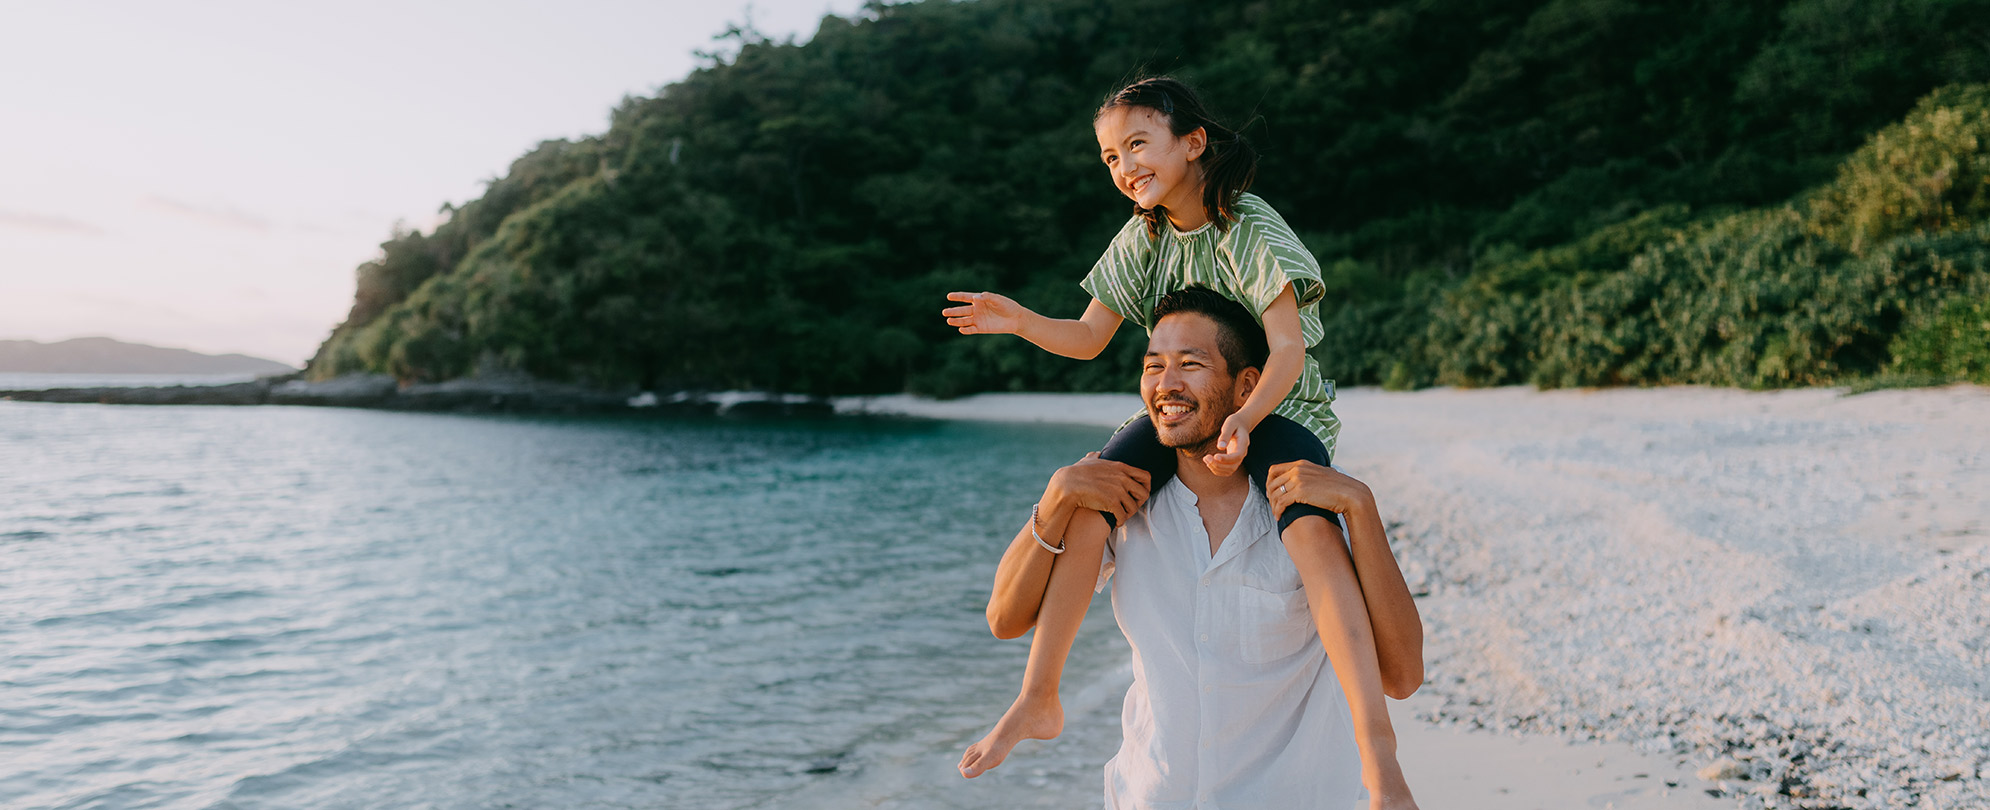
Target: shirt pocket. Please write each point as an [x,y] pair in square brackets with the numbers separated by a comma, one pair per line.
[1272,625]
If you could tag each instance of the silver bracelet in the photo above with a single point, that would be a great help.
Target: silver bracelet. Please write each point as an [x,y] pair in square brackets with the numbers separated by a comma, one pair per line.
[1056,549]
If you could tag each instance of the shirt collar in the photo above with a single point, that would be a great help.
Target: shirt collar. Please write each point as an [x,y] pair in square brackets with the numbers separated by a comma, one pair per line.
[1253,520]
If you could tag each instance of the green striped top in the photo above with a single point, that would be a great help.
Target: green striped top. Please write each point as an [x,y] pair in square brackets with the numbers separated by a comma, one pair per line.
[1250,263]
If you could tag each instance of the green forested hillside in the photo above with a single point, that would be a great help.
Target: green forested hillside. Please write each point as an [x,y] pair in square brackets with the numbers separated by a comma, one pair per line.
[1571,192]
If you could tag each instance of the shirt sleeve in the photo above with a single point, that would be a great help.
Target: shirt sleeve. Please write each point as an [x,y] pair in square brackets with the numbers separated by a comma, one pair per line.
[1120,278]
[1105,563]
[1266,255]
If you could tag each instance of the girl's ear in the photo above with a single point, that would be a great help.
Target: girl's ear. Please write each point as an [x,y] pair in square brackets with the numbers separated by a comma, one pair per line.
[1196,141]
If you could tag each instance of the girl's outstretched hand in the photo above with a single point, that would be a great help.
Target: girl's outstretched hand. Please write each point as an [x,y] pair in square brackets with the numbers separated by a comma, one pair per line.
[1233,443]
[984,313]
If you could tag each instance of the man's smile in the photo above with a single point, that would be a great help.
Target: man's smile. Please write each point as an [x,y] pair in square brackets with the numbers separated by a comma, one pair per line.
[1173,411]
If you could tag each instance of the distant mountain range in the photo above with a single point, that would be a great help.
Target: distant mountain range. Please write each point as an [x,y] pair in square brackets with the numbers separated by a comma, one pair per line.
[99,355]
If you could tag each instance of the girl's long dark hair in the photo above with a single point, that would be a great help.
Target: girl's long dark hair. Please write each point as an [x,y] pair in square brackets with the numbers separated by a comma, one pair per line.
[1228,162]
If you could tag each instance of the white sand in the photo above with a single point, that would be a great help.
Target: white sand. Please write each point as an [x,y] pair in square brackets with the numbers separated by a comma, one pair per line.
[1655,581]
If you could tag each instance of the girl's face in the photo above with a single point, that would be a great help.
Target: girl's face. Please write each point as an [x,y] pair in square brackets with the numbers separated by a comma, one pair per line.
[1149,164]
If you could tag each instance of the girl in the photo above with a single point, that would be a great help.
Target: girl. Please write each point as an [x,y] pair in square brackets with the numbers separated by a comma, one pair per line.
[1193,224]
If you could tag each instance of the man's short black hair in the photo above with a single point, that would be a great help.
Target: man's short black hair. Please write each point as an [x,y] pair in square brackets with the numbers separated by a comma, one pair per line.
[1239,337]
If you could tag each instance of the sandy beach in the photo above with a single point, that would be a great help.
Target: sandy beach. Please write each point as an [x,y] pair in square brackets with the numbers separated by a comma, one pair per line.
[1678,597]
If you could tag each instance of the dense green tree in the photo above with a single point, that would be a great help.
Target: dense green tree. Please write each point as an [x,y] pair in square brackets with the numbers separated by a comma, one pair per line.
[1564,192]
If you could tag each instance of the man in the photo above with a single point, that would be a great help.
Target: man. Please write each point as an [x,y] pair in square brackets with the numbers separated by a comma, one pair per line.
[1233,703]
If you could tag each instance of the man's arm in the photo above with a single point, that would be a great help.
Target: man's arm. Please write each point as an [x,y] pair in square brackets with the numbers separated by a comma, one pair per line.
[1332,597]
[1398,630]
[1092,483]
[1022,575]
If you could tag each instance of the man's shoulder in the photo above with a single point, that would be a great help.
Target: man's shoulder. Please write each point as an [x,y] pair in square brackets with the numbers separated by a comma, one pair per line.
[1158,499]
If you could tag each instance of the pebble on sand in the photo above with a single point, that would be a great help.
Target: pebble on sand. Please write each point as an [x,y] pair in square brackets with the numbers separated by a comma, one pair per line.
[1722,769]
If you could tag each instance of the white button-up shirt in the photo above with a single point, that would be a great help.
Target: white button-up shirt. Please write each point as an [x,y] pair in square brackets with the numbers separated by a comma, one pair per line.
[1233,704]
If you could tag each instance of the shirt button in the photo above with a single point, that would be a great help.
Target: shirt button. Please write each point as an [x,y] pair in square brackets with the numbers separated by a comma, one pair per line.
[1207,688]
[1205,744]
[1205,582]
[1205,636]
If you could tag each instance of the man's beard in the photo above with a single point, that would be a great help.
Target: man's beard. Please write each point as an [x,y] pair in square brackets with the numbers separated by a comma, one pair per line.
[1197,438]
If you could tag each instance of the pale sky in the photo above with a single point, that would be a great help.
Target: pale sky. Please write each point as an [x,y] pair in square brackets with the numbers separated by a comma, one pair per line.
[207,175]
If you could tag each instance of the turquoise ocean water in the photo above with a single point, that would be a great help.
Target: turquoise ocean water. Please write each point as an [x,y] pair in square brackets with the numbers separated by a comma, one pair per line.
[206,607]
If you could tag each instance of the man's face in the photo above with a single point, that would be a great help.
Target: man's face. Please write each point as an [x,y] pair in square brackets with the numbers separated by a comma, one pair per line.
[1187,386]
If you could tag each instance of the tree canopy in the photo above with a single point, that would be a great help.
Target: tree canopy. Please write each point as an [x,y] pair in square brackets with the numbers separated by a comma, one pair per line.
[1562,192]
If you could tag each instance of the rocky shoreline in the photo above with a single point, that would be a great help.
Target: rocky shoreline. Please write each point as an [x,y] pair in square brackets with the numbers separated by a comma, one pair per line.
[1782,591]
[1785,589]
[493,394]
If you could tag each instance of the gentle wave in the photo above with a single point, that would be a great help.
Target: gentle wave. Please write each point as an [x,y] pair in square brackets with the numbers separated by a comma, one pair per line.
[319,608]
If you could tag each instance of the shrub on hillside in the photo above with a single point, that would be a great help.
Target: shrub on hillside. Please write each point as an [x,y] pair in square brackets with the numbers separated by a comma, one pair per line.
[1949,341]
[1803,294]
[1489,329]
[1928,173]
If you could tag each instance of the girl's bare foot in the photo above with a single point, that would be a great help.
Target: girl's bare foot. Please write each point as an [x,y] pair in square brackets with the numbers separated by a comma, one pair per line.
[1029,718]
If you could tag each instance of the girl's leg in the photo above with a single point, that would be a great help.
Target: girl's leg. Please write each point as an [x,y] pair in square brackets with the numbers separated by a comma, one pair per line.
[1037,714]
[1278,440]
[1137,444]
[1314,533]
[1338,606]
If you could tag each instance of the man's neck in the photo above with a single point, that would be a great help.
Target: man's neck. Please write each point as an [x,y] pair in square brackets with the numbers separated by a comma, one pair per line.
[1218,498]
[1205,484]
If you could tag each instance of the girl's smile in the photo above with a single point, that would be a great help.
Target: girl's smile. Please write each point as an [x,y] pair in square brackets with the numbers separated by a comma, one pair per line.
[1151,165]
